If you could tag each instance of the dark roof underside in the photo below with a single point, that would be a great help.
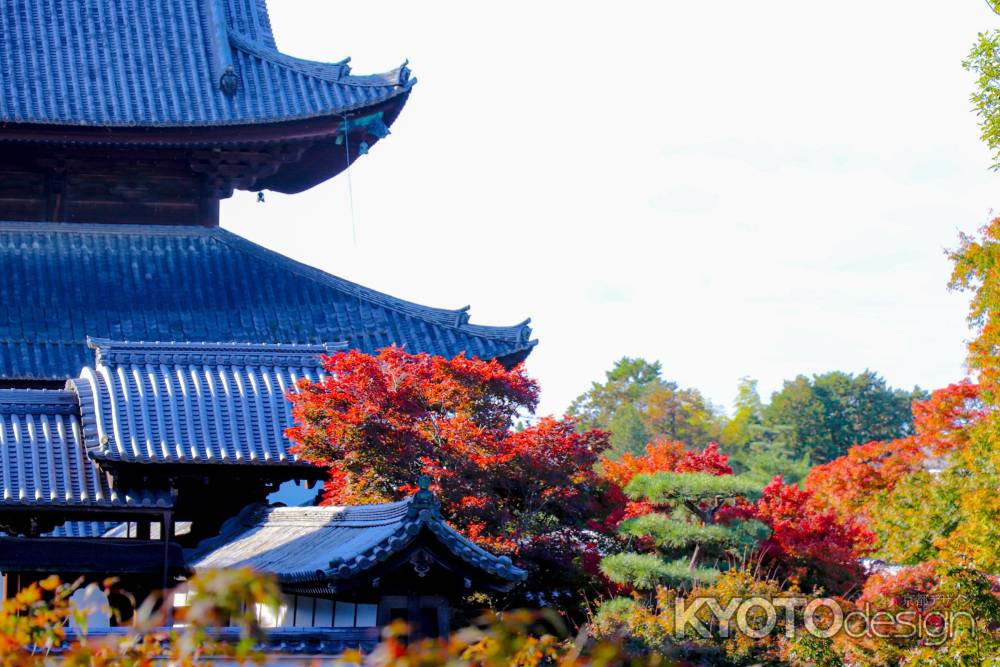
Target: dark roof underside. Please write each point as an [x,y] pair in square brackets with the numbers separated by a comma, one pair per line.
[61,283]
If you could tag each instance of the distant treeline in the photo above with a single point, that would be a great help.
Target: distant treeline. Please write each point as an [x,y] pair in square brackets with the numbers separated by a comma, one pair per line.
[810,420]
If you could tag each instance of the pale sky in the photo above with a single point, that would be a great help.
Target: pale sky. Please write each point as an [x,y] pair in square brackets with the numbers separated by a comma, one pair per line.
[733,188]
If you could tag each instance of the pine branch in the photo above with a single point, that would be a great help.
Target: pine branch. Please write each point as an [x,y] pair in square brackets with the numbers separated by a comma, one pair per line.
[672,533]
[647,571]
[691,488]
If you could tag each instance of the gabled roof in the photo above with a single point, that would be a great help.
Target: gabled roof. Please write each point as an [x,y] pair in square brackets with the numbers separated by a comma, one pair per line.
[43,463]
[122,63]
[202,403]
[61,283]
[317,544]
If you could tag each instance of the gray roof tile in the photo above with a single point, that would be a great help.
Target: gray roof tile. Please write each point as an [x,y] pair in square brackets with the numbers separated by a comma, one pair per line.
[138,63]
[43,462]
[203,403]
[64,282]
[311,544]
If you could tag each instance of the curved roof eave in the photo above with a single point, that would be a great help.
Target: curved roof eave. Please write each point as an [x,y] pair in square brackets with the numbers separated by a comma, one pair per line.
[65,70]
[457,318]
[339,71]
[406,520]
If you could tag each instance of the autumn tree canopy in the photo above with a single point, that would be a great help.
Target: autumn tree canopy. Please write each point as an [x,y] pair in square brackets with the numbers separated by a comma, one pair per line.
[637,405]
[378,423]
[809,420]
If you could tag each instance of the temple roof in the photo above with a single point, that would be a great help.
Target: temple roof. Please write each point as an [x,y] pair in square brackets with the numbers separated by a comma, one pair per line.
[204,403]
[170,63]
[43,463]
[61,283]
[316,544]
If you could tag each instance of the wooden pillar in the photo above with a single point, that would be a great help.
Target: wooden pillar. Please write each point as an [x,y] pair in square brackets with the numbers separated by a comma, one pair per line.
[167,536]
[413,615]
[208,212]
[55,193]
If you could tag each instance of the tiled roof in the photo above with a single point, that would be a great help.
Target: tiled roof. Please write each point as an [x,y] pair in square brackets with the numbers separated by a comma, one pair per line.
[60,283]
[211,403]
[311,544]
[134,63]
[43,462]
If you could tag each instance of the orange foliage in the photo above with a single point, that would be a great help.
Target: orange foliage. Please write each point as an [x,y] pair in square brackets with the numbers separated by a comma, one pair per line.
[901,589]
[853,484]
[661,456]
[850,485]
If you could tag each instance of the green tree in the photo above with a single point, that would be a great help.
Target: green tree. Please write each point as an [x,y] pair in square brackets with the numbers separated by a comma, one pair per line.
[681,415]
[748,412]
[828,413]
[637,405]
[770,453]
[685,529]
[984,62]
[758,450]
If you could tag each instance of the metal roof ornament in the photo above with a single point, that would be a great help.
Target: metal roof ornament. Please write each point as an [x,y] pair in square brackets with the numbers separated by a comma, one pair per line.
[424,498]
[229,82]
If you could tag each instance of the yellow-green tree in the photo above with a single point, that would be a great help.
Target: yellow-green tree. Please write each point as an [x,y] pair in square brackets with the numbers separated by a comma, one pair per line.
[985,64]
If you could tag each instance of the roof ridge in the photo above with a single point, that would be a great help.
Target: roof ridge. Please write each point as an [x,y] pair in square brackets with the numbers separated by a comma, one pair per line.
[36,396]
[454,318]
[395,504]
[321,70]
[104,228]
[47,401]
[345,516]
[335,72]
[110,352]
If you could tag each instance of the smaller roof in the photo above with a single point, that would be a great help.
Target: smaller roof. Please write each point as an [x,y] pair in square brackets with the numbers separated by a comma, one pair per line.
[313,544]
[205,403]
[43,462]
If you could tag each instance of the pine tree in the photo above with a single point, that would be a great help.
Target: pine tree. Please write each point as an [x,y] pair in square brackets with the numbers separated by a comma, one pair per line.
[691,543]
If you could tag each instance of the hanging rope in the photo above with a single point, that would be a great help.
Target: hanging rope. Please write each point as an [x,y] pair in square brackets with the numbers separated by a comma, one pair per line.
[350,187]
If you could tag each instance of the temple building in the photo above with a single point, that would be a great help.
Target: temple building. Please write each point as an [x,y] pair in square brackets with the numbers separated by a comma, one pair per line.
[146,354]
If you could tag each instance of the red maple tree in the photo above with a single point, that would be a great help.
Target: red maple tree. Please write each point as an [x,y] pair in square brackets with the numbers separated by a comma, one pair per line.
[812,545]
[379,422]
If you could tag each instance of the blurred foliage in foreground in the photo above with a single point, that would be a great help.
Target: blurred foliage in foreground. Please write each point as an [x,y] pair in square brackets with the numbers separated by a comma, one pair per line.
[34,625]
[35,630]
